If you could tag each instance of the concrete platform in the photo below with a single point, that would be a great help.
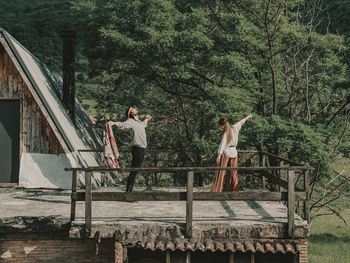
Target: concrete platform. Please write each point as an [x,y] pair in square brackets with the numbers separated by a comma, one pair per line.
[48,210]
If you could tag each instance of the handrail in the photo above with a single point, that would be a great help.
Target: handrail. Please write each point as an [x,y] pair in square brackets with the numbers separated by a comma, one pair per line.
[281,158]
[184,169]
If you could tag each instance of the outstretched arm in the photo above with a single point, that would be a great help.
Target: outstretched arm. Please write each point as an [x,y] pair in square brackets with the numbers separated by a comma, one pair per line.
[145,121]
[121,125]
[239,124]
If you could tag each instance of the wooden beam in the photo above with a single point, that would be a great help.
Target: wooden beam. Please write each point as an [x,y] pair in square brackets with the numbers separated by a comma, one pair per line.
[307,195]
[246,196]
[197,196]
[188,256]
[73,196]
[189,204]
[263,178]
[167,256]
[88,199]
[279,181]
[252,257]
[8,185]
[282,159]
[291,203]
[186,169]
[118,252]
[231,257]
[125,254]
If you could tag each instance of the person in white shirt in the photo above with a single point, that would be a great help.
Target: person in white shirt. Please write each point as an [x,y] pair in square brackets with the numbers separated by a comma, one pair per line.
[139,141]
[227,156]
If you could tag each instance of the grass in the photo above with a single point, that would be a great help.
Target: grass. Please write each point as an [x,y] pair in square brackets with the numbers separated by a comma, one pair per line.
[330,240]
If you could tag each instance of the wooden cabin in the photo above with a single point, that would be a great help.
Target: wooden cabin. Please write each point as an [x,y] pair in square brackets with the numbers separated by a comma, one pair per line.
[37,135]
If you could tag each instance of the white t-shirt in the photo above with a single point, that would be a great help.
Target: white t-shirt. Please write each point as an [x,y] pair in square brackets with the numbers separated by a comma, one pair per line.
[230,148]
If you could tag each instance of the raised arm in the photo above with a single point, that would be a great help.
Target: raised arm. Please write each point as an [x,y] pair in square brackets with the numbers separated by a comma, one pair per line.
[239,124]
[145,121]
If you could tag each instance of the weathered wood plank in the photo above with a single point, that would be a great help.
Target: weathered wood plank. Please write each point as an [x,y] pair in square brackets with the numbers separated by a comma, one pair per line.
[291,203]
[118,252]
[263,178]
[182,196]
[282,159]
[188,256]
[189,204]
[167,256]
[184,169]
[74,196]
[278,181]
[231,257]
[307,195]
[8,185]
[88,199]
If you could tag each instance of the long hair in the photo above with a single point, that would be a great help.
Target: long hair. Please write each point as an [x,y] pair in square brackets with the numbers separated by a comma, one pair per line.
[128,113]
[227,129]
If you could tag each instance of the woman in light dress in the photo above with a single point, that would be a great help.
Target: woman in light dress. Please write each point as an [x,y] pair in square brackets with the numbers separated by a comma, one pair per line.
[227,181]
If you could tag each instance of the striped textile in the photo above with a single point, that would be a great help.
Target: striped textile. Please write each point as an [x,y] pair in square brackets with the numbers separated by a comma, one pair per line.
[110,151]
[225,181]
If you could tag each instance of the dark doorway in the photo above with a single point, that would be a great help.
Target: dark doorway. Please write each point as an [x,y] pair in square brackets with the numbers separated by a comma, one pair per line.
[9,140]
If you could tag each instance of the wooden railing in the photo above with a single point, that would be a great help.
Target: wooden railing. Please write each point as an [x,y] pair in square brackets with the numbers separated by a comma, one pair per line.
[292,194]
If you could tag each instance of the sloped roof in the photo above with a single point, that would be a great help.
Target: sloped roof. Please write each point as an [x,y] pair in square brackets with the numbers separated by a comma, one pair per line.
[48,85]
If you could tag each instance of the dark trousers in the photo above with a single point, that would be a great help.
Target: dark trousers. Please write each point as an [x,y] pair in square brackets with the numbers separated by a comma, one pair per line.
[138,154]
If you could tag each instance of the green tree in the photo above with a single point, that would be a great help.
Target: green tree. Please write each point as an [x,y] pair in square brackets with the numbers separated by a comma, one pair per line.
[190,62]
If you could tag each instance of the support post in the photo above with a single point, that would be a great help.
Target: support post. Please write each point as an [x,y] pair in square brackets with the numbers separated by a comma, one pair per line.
[188,256]
[280,163]
[167,256]
[307,191]
[88,199]
[73,196]
[291,202]
[103,174]
[119,253]
[189,204]
[263,178]
[231,258]
[252,258]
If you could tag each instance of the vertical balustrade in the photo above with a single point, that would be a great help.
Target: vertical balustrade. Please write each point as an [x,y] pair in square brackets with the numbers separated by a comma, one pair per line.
[307,192]
[291,202]
[73,196]
[88,199]
[189,204]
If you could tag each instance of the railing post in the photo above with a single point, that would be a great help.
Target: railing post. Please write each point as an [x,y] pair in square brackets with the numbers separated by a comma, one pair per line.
[88,199]
[280,163]
[307,192]
[189,204]
[291,202]
[73,196]
[103,174]
[263,178]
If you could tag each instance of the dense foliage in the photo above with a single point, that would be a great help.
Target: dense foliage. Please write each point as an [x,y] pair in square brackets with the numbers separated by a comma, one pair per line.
[189,63]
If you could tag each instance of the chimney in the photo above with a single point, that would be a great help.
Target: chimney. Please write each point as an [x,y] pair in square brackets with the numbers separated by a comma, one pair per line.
[69,39]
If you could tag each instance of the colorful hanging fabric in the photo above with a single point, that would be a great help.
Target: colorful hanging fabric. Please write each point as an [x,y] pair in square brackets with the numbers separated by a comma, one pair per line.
[110,151]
